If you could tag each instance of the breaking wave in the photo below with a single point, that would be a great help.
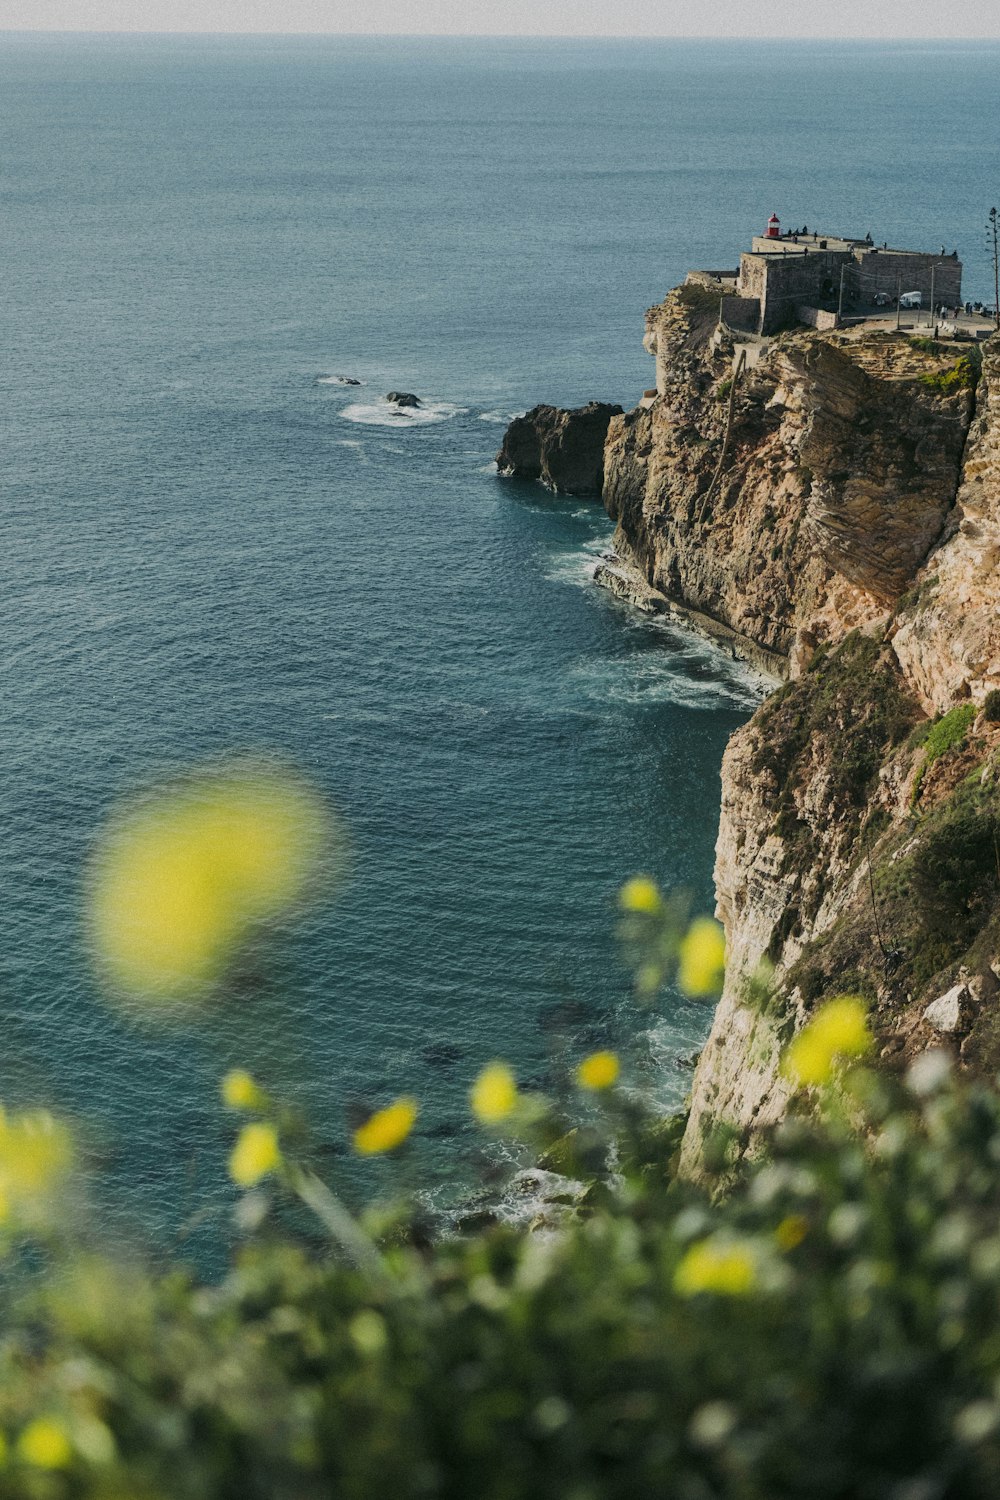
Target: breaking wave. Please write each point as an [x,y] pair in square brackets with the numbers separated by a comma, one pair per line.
[388,414]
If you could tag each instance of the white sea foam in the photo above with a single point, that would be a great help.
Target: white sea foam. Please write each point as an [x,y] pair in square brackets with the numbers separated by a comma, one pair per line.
[576,564]
[388,414]
[689,672]
[501,418]
[354,446]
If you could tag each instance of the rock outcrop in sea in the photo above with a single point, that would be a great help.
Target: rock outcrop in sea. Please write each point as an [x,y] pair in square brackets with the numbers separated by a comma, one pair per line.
[835,511]
[562,449]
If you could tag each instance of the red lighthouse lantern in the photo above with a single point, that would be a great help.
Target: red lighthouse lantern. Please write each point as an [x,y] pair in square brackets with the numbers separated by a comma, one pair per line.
[774,228]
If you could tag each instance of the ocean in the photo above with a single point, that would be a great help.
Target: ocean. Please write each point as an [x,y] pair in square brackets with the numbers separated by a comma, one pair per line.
[211,545]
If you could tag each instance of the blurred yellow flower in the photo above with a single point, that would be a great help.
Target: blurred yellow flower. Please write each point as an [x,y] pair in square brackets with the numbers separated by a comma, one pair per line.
[702,959]
[255,1154]
[494,1094]
[44,1444]
[386,1129]
[36,1154]
[726,1268]
[598,1071]
[791,1232]
[640,894]
[240,1091]
[186,875]
[649,976]
[839,1030]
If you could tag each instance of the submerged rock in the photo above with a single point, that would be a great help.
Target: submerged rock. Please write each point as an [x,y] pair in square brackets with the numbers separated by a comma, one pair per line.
[403,398]
[563,449]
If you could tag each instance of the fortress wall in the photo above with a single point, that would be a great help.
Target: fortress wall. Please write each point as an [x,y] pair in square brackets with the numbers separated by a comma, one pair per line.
[879,271]
[815,317]
[741,313]
[797,279]
[753,271]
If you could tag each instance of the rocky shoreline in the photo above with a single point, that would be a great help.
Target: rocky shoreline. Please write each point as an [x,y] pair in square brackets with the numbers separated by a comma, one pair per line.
[623,579]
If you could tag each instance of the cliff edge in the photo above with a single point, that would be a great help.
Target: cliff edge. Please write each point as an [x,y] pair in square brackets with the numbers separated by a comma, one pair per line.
[835,500]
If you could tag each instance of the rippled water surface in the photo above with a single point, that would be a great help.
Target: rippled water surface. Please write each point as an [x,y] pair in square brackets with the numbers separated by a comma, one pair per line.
[210,543]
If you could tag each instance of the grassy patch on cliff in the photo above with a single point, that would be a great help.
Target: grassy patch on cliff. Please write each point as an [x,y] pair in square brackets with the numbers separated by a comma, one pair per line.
[933,899]
[852,699]
[963,375]
[703,298]
[947,733]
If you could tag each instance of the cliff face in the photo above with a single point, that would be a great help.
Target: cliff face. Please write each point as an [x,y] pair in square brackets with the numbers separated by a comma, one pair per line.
[949,645]
[798,501]
[840,506]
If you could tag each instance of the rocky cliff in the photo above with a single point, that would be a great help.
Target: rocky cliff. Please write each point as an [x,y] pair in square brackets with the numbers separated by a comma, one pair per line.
[838,505]
[562,449]
[795,501]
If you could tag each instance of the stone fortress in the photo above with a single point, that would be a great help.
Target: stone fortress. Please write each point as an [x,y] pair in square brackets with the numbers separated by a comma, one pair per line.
[800,276]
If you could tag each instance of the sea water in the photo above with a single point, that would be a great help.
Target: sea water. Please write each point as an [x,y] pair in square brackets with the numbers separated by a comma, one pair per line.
[212,544]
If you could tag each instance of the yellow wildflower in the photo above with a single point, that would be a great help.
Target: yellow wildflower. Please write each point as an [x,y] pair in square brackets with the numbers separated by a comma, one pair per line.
[702,959]
[728,1269]
[791,1232]
[36,1154]
[386,1129]
[598,1071]
[838,1031]
[44,1445]
[185,876]
[240,1091]
[494,1094]
[640,894]
[255,1155]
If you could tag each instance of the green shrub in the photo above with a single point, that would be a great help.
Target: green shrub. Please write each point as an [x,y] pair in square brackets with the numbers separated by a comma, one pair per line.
[947,733]
[991,706]
[961,376]
[955,874]
[827,1329]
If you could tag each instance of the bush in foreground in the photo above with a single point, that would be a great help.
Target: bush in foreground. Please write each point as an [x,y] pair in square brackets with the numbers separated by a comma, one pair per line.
[828,1329]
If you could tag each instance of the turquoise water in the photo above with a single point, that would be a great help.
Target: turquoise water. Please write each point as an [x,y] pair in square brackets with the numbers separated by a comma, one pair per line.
[209,545]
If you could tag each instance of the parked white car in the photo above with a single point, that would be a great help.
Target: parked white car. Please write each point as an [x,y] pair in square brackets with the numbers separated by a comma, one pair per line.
[911,299]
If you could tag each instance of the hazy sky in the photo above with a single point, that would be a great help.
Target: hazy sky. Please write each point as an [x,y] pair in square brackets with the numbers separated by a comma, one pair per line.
[846,18]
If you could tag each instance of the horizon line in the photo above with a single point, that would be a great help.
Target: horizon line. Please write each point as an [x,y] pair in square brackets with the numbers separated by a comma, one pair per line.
[490,36]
